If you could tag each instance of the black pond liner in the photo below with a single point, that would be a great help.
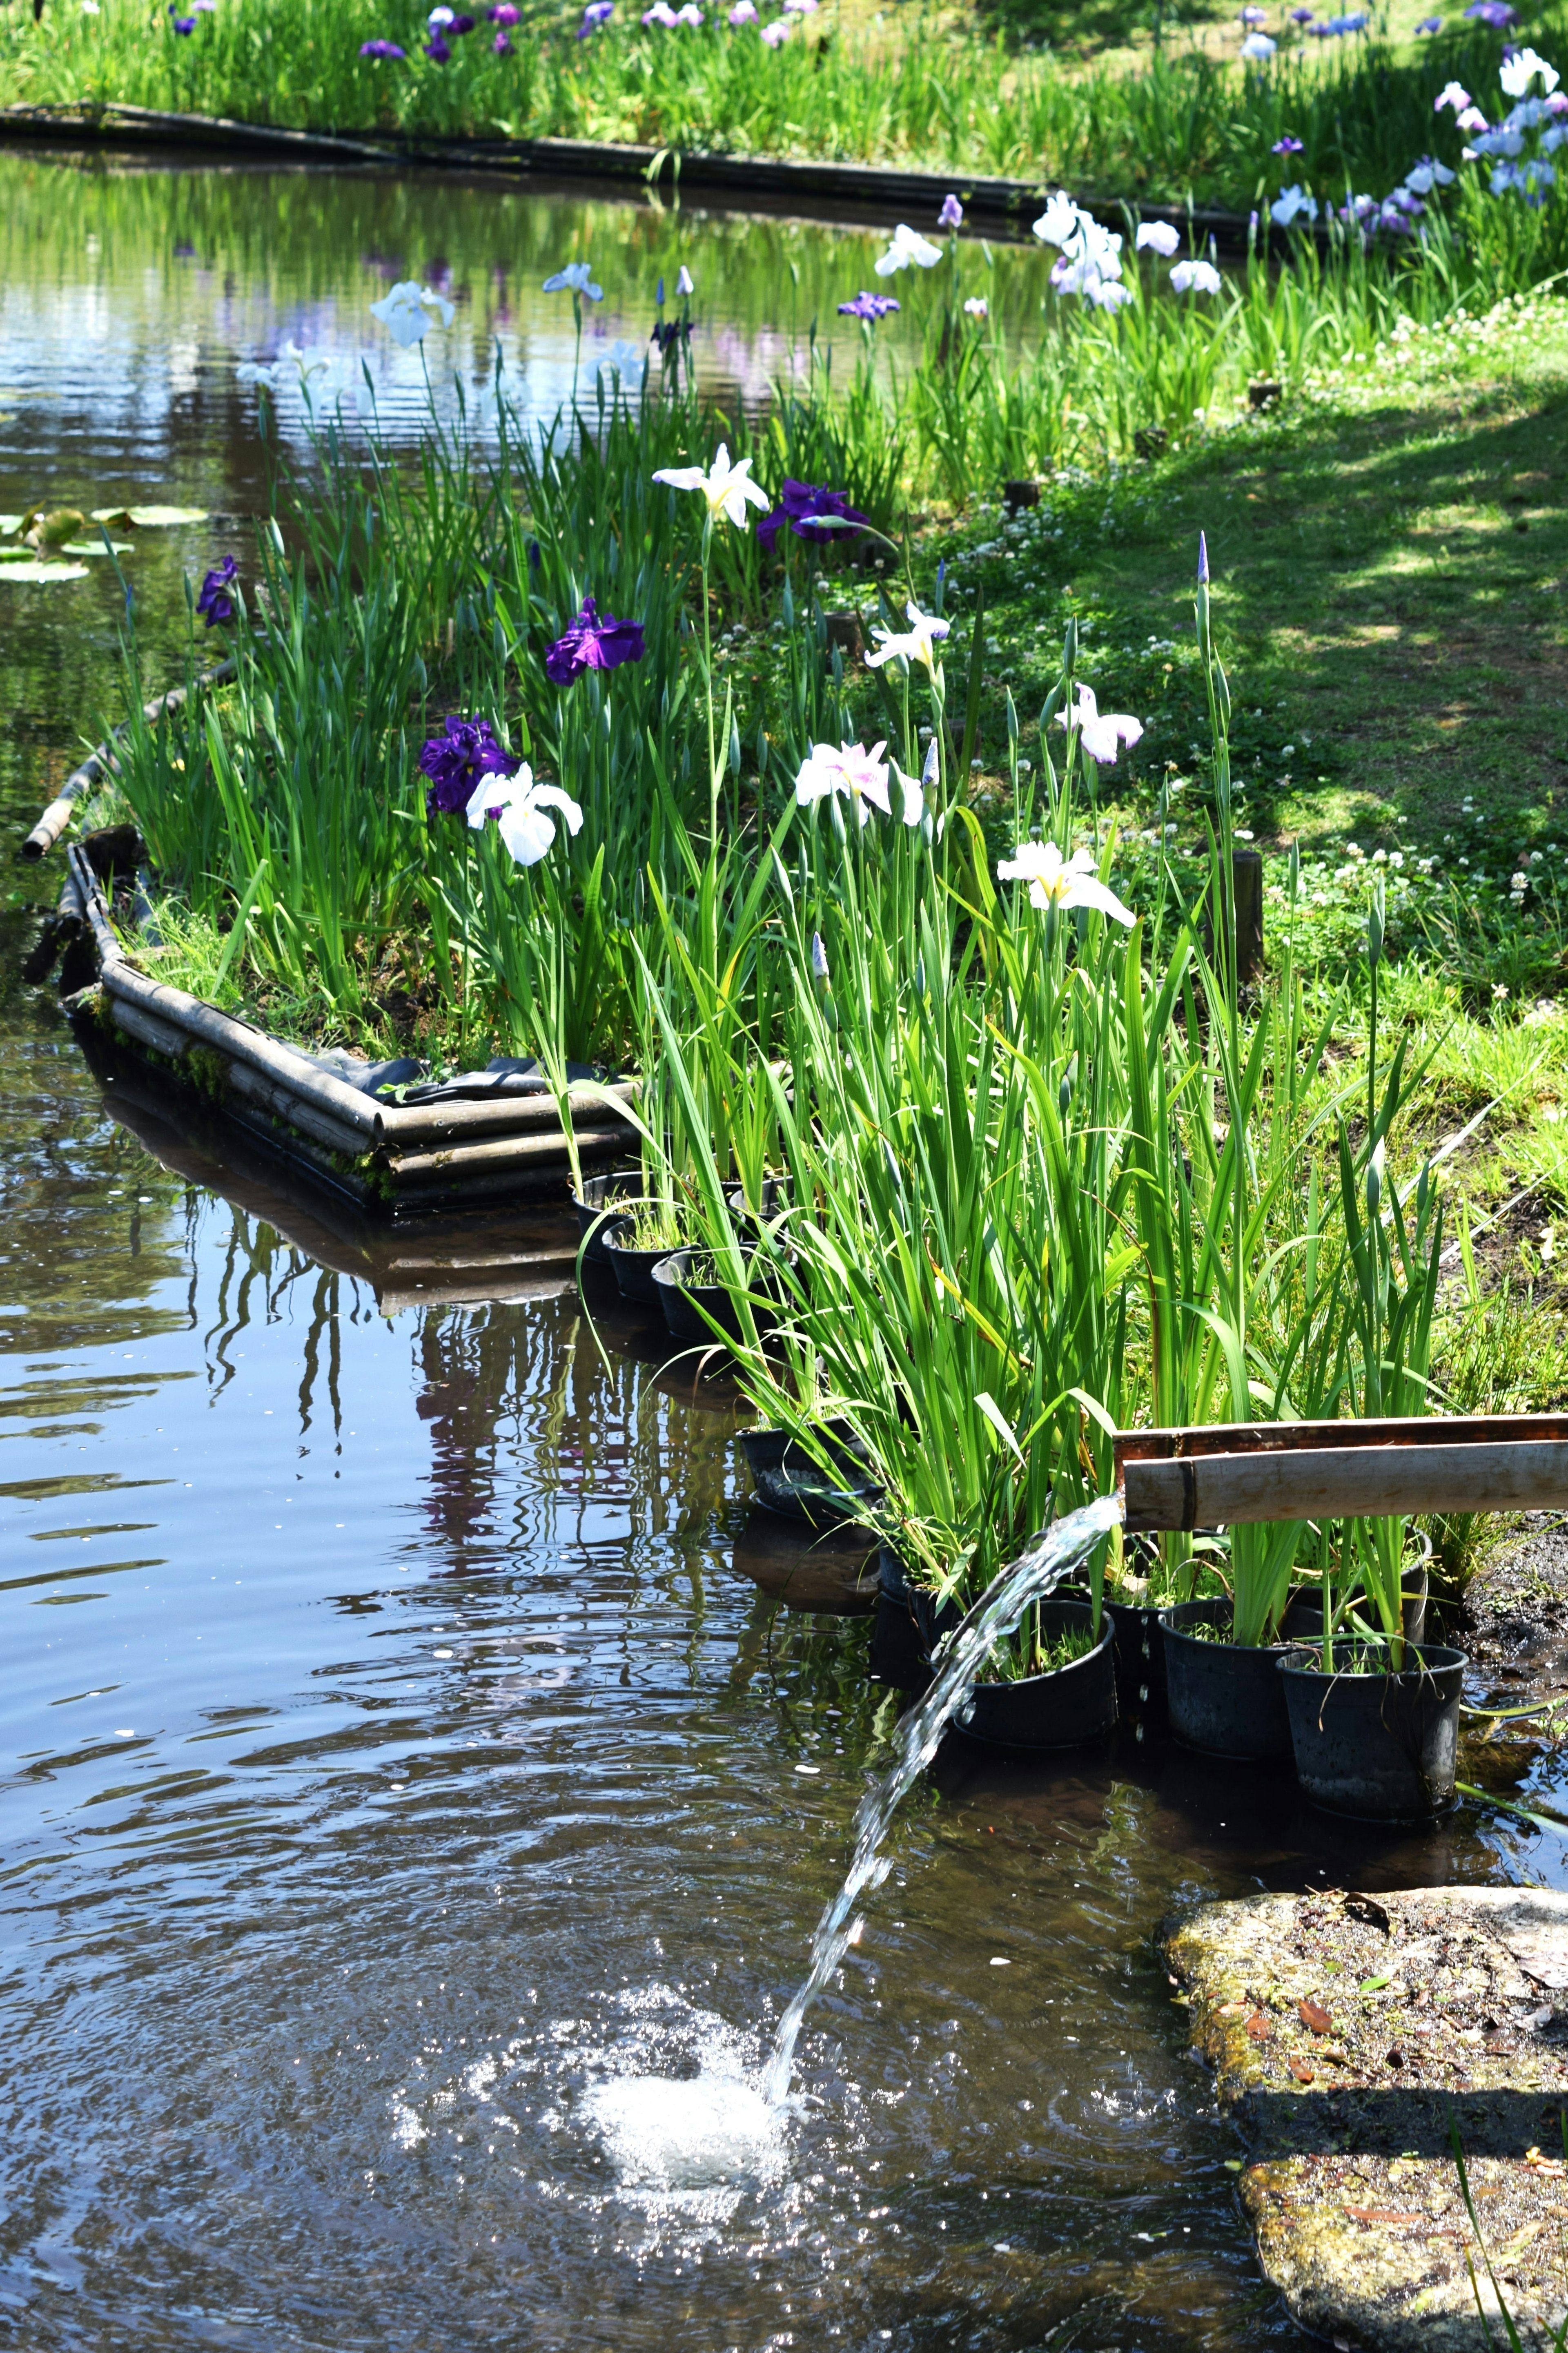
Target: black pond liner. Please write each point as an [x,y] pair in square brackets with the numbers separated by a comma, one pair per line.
[634,1267]
[1224,1699]
[1379,1748]
[1064,1709]
[599,1194]
[790,1484]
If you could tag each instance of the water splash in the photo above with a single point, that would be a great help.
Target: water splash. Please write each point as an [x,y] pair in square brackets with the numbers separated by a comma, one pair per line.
[1030,1577]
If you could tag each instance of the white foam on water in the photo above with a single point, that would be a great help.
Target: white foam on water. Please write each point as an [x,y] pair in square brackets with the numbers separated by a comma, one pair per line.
[697,2134]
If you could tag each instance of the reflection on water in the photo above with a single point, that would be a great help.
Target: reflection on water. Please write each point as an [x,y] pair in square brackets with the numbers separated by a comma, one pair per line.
[405,1751]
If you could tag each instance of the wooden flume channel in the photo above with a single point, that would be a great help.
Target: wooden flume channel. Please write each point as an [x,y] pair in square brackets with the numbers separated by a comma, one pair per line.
[1235,1472]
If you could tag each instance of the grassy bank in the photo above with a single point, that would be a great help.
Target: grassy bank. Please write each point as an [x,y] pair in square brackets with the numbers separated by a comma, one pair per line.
[1180,122]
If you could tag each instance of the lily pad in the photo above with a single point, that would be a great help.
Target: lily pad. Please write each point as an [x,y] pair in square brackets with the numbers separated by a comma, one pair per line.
[94,547]
[8,523]
[36,572]
[149,518]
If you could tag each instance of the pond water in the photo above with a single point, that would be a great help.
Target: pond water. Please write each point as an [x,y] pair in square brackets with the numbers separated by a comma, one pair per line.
[383,1796]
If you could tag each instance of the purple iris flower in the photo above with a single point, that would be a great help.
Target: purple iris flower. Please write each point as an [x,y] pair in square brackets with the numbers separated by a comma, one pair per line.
[437,52]
[502,45]
[1285,146]
[1495,12]
[455,761]
[868,306]
[669,332]
[505,14]
[461,24]
[184,23]
[380,50]
[951,214]
[1301,15]
[1430,25]
[598,11]
[797,502]
[215,604]
[590,643]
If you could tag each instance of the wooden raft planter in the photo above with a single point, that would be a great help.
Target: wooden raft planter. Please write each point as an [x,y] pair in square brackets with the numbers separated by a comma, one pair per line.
[397,1156]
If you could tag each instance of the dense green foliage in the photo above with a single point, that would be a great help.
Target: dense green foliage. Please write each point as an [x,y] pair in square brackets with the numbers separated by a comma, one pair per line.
[924,88]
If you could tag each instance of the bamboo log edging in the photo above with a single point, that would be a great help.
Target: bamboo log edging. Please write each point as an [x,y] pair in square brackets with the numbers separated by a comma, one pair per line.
[431,1153]
[97,764]
[1334,1470]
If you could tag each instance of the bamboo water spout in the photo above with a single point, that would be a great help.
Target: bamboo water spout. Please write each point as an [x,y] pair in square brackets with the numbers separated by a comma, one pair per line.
[1232,1473]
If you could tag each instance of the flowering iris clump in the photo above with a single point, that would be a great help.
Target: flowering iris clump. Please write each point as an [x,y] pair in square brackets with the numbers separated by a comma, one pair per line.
[590,643]
[1100,731]
[1194,278]
[861,775]
[908,245]
[1057,883]
[799,504]
[1157,237]
[728,488]
[215,604]
[917,643]
[380,50]
[868,306]
[409,311]
[1091,257]
[456,763]
[438,51]
[1288,145]
[519,807]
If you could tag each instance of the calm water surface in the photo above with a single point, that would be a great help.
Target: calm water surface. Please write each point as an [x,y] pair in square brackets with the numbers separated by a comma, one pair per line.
[395,1751]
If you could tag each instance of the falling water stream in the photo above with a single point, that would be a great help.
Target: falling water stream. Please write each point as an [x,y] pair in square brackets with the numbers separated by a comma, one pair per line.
[722,2127]
[1031,1577]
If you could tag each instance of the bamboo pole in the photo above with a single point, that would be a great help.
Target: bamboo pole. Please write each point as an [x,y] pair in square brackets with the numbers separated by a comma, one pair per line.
[99,763]
[1344,1469]
[503,1151]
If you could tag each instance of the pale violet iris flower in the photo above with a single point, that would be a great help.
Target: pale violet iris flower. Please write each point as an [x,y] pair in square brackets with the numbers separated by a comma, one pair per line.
[1158,237]
[776,34]
[1518,72]
[726,489]
[1291,202]
[292,366]
[1257,47]
[684,281]
[1194,278]
[1059,883]
[1426,175]
[626,360]
[917,643]
[907,245]
[861,775]
[577,277]
[1059,224]
[1453,94]
[410,311]
[521,810]
[1100,731]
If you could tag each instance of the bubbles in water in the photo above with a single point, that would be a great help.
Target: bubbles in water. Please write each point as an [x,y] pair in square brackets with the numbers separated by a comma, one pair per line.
[710,2132]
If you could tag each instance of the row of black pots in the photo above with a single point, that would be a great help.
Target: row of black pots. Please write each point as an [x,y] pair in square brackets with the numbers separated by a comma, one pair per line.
[658,1278]
[1380,1747]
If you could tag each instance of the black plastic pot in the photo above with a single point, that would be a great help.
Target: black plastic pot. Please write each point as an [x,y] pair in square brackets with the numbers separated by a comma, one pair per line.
[634,1267]
[789,1483]
[773,1201]
[598,1194]
[1377,1747]
[683,1301]
[1064,1709]
[1224,1699]
[1303,1621]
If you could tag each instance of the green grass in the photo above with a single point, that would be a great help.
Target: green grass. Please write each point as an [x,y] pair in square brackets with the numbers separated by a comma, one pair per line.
[930,87]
